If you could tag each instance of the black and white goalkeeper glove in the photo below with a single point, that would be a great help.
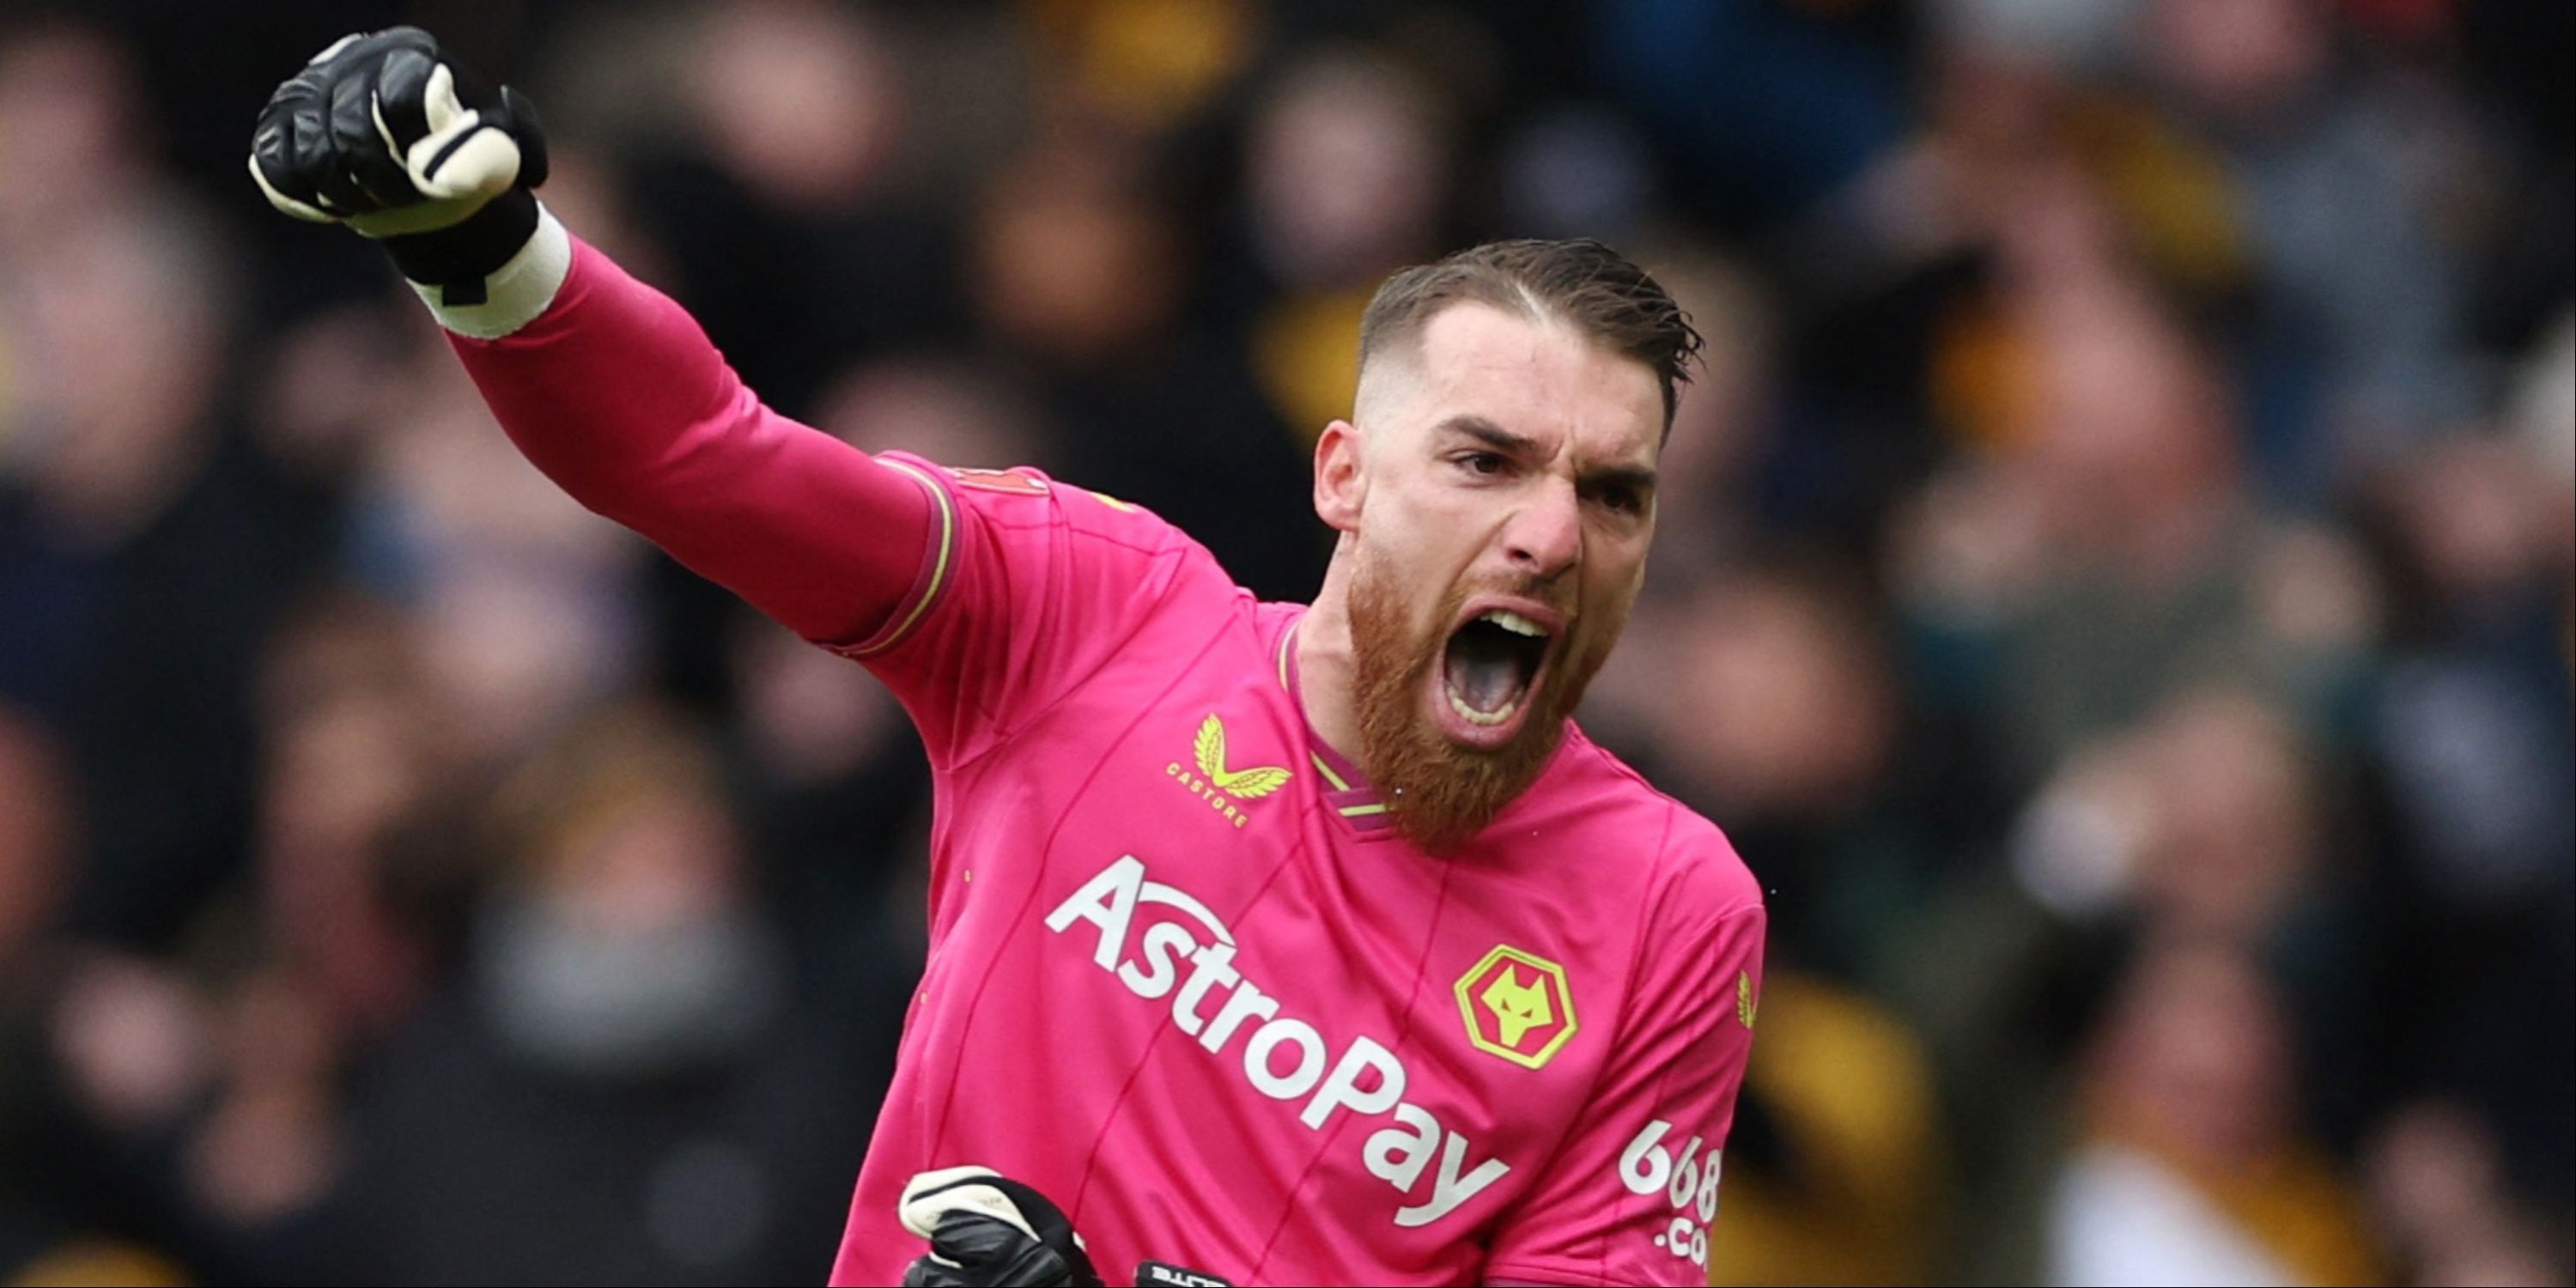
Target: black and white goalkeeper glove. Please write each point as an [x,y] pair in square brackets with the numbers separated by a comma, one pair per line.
[987,1230]
[385,133]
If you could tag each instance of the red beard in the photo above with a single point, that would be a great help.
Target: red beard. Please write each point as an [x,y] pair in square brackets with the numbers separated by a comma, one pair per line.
[1438,794]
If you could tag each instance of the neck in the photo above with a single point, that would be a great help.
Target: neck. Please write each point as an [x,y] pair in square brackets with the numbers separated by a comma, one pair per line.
[1325,663]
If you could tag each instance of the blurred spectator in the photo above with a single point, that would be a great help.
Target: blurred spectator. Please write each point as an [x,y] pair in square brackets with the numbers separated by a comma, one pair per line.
[2467,721]
[1073,259]
[1765,698]
[1346,156]
[360,753]
[2473,735]
[833,785]
[71,133]
[524,605]
[131,517]
[1785,710]
[2193,1169]
[1078,278]
[2203,822]
[2342,179]
[793,137]
[2439,1193]
[624,1082]
[2107,550]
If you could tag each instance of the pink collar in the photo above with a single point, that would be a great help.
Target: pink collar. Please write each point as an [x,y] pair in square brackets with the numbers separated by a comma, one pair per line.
[1347,791]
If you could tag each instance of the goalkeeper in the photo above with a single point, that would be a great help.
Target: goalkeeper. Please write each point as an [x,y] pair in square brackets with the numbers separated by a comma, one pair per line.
[1300,943]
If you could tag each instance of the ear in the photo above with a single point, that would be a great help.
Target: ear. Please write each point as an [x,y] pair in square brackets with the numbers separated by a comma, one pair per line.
[1340,483]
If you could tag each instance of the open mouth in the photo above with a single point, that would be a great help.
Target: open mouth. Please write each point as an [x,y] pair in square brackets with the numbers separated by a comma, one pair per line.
[1490,665]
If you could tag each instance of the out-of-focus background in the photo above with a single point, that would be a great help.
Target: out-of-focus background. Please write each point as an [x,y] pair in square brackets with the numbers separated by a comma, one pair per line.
[2113,586]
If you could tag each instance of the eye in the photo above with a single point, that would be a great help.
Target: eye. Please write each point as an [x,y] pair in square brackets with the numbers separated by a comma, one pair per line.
[1482,464]
[1621,500]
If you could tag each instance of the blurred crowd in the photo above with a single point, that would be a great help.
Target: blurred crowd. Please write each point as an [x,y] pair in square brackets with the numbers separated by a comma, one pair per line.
[2113,585]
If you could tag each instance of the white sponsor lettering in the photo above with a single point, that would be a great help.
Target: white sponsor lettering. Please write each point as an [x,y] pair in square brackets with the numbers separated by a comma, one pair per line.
[1643,1167]
[1687,1182]
[1396,1154]
[1342,1089]
[1245,1003]
[1259,1059]
[1284,1058]
[1448,1188]
[1163,942]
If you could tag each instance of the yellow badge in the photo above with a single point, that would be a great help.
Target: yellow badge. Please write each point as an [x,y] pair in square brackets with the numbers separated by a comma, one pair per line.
[1745,1006]
[1517,1005]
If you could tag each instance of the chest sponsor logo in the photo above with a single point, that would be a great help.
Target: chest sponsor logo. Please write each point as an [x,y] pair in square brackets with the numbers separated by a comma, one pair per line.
[1161,943]
[1518,1006]
[1207,777]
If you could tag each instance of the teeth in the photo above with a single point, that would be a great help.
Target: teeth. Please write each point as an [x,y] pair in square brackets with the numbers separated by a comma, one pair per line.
[1513,622]
[1473,716]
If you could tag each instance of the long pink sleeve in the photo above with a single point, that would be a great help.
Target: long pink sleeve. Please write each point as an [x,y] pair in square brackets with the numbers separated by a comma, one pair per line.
[618,396]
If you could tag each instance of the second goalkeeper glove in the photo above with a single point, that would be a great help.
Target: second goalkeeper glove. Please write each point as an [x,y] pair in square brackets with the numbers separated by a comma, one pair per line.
[987,1230]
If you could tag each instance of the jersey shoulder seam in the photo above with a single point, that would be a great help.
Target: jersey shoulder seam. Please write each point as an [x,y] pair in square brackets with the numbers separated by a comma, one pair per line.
[1166,560]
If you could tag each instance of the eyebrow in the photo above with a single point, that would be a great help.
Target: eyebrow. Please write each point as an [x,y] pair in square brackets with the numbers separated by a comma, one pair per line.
[1637,477]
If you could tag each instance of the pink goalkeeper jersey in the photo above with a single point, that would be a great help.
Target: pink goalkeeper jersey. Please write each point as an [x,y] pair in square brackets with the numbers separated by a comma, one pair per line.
[1185,980]
[1182,977]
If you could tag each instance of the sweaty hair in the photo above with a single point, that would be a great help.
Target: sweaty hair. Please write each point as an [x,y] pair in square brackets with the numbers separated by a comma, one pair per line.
[1579,283]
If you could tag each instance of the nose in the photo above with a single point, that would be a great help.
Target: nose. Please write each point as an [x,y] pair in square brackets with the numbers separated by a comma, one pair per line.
[1544,537]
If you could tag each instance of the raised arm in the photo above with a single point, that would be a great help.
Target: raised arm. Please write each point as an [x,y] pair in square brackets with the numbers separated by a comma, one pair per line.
[605,384]
[617,395]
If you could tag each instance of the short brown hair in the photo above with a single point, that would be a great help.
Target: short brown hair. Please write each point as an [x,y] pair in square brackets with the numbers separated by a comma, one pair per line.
[1579,282]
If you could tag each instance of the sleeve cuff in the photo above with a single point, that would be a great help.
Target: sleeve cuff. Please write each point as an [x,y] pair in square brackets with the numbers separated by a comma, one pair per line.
[938,563]
[516,293]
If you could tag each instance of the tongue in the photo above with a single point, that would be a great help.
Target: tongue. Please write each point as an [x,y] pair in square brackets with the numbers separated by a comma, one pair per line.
[1482,671]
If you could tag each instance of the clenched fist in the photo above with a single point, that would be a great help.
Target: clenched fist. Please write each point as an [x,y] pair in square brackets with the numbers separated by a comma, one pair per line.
[385,133]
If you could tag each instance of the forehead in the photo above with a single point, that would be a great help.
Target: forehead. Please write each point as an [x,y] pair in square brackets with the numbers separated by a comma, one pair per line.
[1543,380]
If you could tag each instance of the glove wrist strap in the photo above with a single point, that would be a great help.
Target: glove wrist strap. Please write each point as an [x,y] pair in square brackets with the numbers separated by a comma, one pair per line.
[457,259]
[512,295]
